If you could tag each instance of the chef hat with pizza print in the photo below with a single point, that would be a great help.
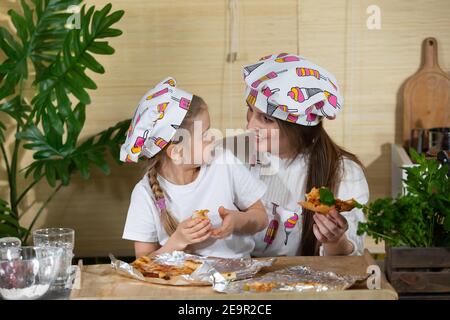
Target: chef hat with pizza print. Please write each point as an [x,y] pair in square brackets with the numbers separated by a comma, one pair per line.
[291,88]
[157,117]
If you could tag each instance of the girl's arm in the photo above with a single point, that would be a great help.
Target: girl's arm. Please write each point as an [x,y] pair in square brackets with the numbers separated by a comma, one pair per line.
[152,248]
[188,232]
[145,248]
[250,221]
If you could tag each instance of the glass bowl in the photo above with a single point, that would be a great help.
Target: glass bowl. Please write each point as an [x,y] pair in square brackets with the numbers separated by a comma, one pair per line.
[26,273]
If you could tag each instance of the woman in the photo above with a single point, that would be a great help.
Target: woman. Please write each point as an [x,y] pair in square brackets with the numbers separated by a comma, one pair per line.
[288,96]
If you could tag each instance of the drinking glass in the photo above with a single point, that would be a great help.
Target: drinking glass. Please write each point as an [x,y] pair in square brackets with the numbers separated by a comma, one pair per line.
[61,238]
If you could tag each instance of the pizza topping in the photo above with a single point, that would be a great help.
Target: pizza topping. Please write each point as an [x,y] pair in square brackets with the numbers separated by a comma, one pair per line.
[326,196]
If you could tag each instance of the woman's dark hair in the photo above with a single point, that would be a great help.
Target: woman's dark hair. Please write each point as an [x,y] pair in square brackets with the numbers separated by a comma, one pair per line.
[324,162]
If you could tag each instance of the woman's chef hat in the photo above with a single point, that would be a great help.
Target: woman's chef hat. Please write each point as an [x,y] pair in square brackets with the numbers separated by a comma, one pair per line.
[156,119]
[291,88]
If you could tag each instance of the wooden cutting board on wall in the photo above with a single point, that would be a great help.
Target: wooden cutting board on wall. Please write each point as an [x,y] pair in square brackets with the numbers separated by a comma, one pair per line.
[427,94]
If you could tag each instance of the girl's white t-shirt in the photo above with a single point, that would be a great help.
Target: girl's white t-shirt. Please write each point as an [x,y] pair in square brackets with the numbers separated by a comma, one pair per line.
[286,183]
[224,182]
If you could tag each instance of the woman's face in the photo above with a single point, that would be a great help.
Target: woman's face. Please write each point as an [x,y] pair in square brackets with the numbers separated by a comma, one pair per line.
[267,132]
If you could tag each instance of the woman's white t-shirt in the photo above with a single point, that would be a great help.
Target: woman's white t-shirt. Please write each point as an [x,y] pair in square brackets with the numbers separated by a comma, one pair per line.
[224,182]
[286,183]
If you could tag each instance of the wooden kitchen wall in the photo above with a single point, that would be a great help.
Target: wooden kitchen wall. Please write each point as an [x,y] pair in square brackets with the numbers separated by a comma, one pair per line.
[190,40]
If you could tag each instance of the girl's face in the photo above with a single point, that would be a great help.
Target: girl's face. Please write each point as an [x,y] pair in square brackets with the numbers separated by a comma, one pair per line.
[197,145]
[267,131]
[202,142]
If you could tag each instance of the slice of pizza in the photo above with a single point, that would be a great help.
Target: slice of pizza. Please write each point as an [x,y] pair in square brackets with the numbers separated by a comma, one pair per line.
[321,200]
[149,268]
[201,214]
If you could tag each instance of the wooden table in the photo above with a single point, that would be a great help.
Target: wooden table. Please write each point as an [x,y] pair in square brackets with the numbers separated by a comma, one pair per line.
[101,282]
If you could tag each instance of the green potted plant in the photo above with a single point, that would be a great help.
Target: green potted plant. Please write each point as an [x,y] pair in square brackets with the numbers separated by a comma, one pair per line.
[416,229]
[47,117]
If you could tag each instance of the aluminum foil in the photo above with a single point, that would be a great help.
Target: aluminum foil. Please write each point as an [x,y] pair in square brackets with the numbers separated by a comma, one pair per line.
[212,271]
[296,279]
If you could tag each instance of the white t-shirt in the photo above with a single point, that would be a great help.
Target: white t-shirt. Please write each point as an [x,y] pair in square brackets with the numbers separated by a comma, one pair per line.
[225,182]
[286,185]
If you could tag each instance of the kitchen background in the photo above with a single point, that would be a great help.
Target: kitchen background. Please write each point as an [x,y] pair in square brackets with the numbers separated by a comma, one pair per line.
[191,40]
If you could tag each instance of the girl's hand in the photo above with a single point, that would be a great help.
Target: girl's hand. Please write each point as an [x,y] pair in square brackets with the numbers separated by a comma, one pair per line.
[330,228]
[191,231]
[229,218]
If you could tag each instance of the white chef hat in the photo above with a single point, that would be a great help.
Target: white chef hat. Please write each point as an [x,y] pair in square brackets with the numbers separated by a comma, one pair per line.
[158,116]
[291,88]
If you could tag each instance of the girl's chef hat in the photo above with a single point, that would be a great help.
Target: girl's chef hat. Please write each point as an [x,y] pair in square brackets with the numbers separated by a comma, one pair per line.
[156,119]
[291,88]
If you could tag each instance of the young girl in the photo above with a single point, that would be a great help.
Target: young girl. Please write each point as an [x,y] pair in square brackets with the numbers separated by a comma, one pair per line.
[177,183]
[290,96]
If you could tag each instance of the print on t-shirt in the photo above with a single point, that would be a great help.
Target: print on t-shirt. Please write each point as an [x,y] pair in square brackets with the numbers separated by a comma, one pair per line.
[289,220]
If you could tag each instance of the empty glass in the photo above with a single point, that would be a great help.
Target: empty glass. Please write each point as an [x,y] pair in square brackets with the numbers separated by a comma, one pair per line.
[62,238]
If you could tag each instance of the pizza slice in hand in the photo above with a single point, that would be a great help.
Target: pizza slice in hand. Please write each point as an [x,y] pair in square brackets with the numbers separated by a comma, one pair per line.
[321,200]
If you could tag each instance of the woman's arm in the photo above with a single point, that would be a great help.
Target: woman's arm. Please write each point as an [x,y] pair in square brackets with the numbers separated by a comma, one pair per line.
[353,185]
[343,247]
[250,221]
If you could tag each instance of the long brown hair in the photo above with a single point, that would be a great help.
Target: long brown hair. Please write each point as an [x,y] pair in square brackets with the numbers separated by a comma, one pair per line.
[324,161]
[169,222]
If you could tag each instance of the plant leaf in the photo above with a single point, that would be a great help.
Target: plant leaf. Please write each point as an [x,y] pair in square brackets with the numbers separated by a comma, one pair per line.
[69,65]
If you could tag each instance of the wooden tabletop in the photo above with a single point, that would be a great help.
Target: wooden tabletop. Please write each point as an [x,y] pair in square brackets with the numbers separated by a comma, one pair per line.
[101,282]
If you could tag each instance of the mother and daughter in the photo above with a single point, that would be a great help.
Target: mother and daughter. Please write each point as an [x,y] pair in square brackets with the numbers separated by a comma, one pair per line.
[250,213]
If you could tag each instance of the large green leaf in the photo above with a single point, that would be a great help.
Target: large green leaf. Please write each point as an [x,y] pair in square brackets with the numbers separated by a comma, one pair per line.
[57,163]
[48,32]
[16,108]
[41,33]
[14,68]
[69,67]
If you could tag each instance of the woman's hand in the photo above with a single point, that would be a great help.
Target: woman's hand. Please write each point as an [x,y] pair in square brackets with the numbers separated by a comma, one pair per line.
[330,227]
[330,231]
[229,222]
[191,231]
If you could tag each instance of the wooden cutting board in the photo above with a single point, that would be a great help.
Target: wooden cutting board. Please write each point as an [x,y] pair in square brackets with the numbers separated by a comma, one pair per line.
[427,94]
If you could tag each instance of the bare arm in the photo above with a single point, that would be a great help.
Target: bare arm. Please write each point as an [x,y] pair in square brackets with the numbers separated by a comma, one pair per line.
[254,220]
[145,248]
[189,231]
[330,231]
[250,221]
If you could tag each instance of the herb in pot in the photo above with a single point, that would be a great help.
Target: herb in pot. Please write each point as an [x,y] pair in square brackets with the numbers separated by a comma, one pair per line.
[421,217]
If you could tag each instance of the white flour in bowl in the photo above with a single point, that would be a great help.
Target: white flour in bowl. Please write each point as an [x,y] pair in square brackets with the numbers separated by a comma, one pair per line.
[29,293]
